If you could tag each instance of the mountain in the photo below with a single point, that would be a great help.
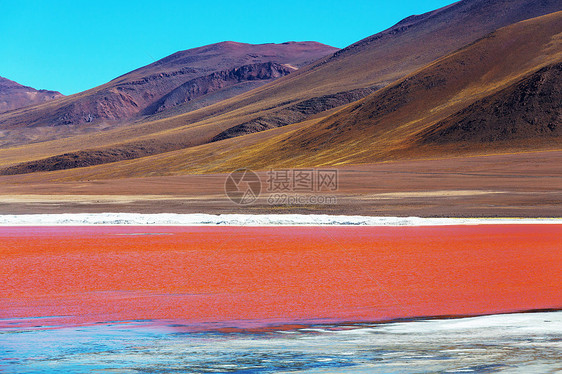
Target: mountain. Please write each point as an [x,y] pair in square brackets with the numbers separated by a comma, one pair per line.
[499,94]
[381,59]
[14,95]
[305,110]
[222,70]
[502,93]
[528,109]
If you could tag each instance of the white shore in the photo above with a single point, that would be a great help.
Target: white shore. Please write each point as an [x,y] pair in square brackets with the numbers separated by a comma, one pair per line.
[87,219]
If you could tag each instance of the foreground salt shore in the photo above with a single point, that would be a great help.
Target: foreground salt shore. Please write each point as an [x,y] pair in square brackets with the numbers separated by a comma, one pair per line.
[169,219]
[513,343]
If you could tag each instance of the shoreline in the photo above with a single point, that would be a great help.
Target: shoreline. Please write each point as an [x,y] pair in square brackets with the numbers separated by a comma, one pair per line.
[251,220]
[427,345]
[256,326]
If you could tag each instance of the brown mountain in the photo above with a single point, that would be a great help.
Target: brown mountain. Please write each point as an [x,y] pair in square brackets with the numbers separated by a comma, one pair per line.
[222,70]
[528,109]
[14,95]
[178,143]
[380,59]
[502,93]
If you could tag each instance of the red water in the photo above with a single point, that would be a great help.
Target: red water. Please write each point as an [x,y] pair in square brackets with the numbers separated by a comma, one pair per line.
[276,275]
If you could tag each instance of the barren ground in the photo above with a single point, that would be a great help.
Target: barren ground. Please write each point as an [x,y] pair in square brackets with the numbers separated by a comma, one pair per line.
[510,185]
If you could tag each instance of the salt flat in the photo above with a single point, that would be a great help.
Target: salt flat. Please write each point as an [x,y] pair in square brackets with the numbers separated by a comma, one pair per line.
[171,219]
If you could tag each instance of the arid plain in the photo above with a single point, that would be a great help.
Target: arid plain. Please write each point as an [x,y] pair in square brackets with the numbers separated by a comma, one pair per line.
[505,185]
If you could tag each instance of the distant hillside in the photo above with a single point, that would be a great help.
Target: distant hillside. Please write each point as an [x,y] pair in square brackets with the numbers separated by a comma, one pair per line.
[410,71]
[503,92]
[224,70]
[499,94]
[528,109]
[14,95]
[380,59]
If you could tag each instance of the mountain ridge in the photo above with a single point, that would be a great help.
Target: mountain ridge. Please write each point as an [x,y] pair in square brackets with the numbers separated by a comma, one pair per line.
[14,95]
[391,123]
[272,105]
[126,96]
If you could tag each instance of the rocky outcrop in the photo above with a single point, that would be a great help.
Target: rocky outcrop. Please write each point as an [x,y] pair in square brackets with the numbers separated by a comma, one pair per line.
[295,113]
[219,80]
[80,159]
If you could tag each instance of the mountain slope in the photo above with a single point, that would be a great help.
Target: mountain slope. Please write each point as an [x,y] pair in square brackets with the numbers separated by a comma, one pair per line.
[409,45]
[363,67]
[219,81]
[14,95]
[530,109]
[499,94]
[199,71]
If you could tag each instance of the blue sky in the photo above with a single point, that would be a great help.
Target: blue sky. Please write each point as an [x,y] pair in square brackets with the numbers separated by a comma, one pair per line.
[70,46]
